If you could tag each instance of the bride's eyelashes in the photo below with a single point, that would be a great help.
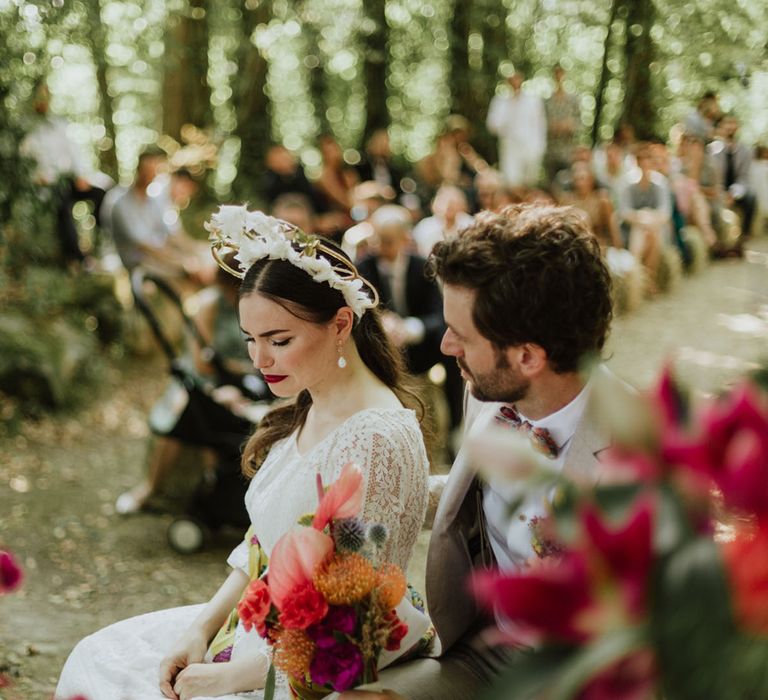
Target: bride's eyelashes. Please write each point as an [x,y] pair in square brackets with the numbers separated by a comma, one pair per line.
[280,343]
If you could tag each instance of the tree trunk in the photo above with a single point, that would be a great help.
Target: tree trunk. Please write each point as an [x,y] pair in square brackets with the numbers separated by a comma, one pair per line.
[375,52]
[460,74]
[186,94]
[252,105]
[494,33]
[314,60]
[604,72]
[98,41]
[639,108]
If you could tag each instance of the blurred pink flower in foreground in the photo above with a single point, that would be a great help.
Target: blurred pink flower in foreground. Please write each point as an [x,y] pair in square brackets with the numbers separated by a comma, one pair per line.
[10,573]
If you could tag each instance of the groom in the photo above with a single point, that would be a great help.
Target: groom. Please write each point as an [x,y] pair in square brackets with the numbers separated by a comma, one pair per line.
[527,297]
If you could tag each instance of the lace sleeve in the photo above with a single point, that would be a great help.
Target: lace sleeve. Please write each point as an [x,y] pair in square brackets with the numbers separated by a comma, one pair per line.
[389,450]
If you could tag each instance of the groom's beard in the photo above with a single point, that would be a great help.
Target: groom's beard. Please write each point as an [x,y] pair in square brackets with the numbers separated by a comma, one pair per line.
[502,384]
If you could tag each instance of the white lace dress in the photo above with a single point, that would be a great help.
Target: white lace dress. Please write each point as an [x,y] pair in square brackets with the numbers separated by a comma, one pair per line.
[121,662]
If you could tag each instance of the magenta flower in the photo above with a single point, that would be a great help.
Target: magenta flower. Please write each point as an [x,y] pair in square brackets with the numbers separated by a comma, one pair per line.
[339,666]
[732,449]
[340,618]
[10,573]
[625,554]
[632,677]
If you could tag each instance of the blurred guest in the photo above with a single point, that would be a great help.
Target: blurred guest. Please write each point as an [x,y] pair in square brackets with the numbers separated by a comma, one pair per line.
[563,113]
[449,216]
[336,178]
[377,165]
[519,121]
[285,175]
[412,303]
[146,229]
[60,166]
[295,209]
[596,204]
[452,160]
[700,121]
[646,210]
[488,183]
[612,167]
[758,180]
[733,159]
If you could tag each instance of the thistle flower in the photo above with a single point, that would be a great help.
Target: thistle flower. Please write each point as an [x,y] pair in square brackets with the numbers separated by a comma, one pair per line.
[350,535]
[345,579]
[293,653]
[378,534]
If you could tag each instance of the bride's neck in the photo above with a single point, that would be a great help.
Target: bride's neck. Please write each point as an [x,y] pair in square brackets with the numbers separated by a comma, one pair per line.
[349,389]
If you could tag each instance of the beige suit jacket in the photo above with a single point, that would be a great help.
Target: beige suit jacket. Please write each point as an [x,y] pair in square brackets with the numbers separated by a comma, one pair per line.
[458,545]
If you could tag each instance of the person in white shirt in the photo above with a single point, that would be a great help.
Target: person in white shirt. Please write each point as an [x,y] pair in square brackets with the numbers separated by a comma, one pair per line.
[519,121]
[527,295]
[60,166]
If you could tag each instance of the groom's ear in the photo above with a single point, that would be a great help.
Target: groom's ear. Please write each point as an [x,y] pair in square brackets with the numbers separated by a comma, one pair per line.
[343,322]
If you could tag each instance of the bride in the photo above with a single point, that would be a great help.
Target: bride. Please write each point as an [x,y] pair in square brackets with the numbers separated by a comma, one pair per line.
[314,333]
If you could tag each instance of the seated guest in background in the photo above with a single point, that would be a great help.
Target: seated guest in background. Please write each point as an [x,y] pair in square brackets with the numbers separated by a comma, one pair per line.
[700,121]
[611,168]
[60,166]
[452,161]
[377,164]
[690,200]
[295,209]
[146,229]
[732,159]
[449,216]
[488,183]
[645,209]
[412,304]
[285,175]
[596,204]
[336,178]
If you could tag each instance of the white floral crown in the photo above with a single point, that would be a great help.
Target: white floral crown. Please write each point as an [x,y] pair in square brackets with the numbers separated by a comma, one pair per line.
[256,236]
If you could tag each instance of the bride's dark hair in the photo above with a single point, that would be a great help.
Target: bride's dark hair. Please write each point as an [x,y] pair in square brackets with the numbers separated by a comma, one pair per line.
[299,294]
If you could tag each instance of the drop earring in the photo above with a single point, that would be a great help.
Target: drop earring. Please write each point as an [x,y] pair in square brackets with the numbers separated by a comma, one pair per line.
[341,362]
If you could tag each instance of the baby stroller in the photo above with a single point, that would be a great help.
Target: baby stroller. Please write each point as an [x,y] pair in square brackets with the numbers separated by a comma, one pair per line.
[218,500]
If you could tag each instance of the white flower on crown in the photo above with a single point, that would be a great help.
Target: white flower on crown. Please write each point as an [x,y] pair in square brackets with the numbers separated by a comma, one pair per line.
[256,236]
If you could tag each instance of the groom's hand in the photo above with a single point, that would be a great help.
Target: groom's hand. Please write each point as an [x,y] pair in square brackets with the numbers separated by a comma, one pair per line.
[369,695]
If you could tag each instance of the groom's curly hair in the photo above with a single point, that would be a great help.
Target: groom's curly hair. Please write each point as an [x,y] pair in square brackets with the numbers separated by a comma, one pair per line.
[539,276]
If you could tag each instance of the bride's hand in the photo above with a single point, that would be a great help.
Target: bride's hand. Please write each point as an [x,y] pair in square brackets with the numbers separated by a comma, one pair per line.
[189,650]
[237,676]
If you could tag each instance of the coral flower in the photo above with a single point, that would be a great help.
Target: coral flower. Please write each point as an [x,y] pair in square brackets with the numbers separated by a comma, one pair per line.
[346,579]
[294,560]
[303,607]
[343,499]
[255,606]
[10,573]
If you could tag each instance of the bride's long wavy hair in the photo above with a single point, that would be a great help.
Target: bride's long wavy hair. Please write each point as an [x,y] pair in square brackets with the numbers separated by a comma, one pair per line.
[300,295]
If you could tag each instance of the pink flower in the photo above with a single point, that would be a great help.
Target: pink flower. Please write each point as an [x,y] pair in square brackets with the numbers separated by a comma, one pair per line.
[343,498]
[747,568]
[255,606]
[632,677]
[10,573]
[294,560]
[544,602]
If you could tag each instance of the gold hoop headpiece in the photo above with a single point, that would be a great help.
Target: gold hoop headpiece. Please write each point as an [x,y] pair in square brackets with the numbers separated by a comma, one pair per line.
[253,236]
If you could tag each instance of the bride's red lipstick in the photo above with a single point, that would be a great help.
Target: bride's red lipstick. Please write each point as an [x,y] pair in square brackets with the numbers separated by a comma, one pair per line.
[274,378]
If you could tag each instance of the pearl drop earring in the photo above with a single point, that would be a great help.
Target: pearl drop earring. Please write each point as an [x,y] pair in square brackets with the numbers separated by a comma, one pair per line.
[342,363]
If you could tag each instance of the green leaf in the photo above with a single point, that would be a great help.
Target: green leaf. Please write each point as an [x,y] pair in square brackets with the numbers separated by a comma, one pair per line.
[269,686]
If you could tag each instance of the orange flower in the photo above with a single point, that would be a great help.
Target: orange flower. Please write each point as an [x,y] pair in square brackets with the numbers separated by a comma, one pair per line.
[390,585]
[345,579]
[293,653]
[747,569]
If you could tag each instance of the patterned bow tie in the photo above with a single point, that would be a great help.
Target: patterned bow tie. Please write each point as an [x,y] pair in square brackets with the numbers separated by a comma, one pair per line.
[540,438]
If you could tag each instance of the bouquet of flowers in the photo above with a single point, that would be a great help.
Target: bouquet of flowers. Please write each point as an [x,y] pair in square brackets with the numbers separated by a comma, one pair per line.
[654,583]
[328,605]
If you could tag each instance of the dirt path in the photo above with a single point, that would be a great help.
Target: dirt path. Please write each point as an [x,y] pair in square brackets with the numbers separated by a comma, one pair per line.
[86,568]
